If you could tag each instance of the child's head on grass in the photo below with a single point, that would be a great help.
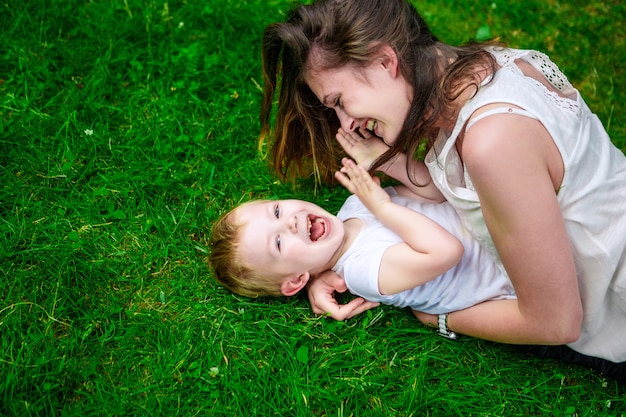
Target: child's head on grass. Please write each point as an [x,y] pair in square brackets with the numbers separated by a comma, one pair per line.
[272,247]
[225,259]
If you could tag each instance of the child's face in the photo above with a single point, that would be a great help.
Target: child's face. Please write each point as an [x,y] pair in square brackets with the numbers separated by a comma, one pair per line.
[289,237]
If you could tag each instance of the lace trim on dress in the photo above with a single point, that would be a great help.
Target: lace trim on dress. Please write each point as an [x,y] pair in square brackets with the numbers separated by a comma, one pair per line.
[506,59]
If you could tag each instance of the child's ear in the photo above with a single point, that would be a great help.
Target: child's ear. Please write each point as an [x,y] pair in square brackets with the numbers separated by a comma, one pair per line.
[294,284]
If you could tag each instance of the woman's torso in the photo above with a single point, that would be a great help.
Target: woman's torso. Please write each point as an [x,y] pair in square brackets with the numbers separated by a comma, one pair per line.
[592,194]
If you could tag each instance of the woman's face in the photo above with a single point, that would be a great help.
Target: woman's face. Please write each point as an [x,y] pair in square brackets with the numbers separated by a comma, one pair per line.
[376,97]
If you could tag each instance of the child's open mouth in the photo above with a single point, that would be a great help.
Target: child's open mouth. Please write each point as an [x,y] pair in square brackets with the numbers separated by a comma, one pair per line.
[317,227]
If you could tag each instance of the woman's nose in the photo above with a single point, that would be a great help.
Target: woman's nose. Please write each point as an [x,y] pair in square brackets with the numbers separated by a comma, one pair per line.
[347,123]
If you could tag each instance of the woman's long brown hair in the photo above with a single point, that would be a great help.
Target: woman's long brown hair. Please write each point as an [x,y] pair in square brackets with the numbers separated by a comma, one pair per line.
[348,32]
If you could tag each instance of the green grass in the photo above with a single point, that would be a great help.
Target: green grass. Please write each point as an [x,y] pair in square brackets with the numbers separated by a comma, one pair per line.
[126,128]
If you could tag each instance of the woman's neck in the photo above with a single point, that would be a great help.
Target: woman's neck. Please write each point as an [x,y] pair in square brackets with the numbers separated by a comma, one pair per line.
[466,92]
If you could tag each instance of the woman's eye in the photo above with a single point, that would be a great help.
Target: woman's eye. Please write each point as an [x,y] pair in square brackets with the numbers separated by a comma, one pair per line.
[276,211]
[338,102]
[278,243]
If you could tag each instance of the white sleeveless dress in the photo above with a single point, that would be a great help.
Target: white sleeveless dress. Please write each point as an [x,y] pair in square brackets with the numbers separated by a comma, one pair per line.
[592,195]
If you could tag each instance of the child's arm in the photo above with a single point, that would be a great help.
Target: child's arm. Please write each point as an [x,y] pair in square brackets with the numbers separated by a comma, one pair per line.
[365,150]
[428,249]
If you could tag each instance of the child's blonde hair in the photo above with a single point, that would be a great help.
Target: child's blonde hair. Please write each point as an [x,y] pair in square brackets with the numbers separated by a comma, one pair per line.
[227,265]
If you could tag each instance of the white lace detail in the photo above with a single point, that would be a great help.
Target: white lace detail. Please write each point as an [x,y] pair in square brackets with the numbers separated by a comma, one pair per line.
[550,70]
[506,59]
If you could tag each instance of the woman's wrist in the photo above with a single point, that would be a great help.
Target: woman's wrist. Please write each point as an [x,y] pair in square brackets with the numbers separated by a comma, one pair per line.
[442,321]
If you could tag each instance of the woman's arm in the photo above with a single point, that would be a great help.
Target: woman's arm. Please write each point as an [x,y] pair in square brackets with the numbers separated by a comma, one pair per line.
[516,169]
[427,250]
[487,317]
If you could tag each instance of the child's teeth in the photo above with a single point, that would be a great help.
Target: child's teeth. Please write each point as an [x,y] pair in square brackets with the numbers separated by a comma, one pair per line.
[371,124]
[317,236]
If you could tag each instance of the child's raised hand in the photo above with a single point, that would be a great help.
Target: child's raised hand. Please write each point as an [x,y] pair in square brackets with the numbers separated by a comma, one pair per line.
[364,148]
[358,181]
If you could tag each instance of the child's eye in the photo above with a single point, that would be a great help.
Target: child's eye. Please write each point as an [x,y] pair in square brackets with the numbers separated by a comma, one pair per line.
[278,242]
[338,101]
[276,211]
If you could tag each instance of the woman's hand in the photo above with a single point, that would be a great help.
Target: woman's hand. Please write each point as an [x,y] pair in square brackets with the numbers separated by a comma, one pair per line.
[364,148]
[321,290]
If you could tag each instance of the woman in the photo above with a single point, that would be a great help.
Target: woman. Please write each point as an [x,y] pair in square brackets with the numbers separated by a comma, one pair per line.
[510,144]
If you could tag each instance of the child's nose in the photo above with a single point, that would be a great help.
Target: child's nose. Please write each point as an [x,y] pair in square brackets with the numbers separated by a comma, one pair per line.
[292,224]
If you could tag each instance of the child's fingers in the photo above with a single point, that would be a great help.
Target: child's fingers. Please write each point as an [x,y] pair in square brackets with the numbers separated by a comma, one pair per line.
[350,172]
[350,166]
[347,162]
[354,171]
[345,181]
[355,178]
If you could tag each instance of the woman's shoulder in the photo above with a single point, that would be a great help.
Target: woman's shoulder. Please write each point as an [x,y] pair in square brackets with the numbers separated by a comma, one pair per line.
[508,59]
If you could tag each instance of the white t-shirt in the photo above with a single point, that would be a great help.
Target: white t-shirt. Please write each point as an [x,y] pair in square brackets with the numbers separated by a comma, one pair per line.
[476,278]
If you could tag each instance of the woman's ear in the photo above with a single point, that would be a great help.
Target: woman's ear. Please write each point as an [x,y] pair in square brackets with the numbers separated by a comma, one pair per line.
[292,285]
[388,59]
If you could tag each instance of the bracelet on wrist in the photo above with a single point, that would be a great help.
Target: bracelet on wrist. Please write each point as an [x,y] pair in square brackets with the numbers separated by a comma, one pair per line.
[443,327]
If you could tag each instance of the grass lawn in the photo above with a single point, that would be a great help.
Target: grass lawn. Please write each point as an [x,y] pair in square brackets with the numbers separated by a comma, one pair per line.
[126,128]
